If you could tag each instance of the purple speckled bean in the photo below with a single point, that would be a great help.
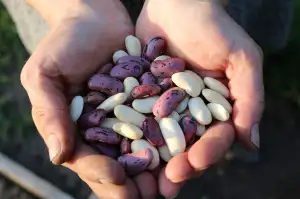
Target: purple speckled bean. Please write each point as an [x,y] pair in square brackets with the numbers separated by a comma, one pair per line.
[128,69]
[92,119]
[146,90]
[136,59]
[168,102]
[106,84]
[105,135]
[105,69]
[189,127]
[152,132]
[125,146]
[88,108]
[137,162]
[167,68]
[148,78]
[111,151]
[154,48]
[166,84]
[94,98]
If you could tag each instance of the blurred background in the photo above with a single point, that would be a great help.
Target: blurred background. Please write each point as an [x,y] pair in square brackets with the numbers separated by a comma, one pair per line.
[271,174]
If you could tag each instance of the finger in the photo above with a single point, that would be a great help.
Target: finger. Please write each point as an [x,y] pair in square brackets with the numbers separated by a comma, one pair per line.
[125,191]
[146,185]
[89,165]
[211,147]
[179,169]
[167,188]
[49,108]
[247,90]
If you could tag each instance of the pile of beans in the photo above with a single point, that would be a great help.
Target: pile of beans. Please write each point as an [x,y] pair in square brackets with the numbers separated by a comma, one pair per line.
[147,107]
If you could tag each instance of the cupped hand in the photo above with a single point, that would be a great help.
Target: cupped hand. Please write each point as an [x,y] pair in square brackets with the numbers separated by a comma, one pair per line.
[204,35]
[83,36]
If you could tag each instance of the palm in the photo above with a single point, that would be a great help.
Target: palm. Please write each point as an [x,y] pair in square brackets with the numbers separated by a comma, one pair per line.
[213,45]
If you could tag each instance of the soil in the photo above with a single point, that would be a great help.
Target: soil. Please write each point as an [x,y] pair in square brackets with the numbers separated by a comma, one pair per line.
[267,175]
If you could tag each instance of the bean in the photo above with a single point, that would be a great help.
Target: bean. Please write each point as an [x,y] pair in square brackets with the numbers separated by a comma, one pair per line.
[152,132]
[218,112]
[189,127]
[187,82]
[167,68]
[133,45]
[128,69]
[173,115]
[92,119]
[162,58]
[76,108]
[105,84]
[164,153]
[147,90]
[214,97]
[94,98]
[168,101]
[128,130]
[129,84]
[102,135]
[105,69]
[125,146]
[173,136]
[200,130]
[144,105]
[137,145]
[109,122]
[217,86]
[111,151]
[148,78]
[166,84]
[118,54]
[199,111]
[183,105]
[154,48]
[137,162]
[110,103]
[136,59]
[129,115]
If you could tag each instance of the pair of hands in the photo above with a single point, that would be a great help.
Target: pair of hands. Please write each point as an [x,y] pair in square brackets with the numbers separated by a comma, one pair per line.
[85,34]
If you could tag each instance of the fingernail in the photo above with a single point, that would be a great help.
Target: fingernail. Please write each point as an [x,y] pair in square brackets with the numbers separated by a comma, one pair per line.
[255,135]
[54,146]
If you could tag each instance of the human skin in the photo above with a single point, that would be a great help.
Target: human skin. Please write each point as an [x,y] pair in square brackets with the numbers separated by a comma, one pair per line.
[82,38]
[203,34]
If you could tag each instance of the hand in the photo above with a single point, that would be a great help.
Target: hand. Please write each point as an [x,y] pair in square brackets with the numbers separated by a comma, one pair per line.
[83,36]
[201,32]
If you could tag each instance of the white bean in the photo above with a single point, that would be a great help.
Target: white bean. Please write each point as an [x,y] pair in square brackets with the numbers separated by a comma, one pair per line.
[200,130]
[200,111]
[164,153]
[218,112]
[215,97]
[129,84]
[144,105]
[173,115]
[76,107]
[197,77]
[133,45]
[137,145]
[129,115]
[183,105]
[187,82]
[173,135]
[162,58]
[217,86]
[109,122]
[128,130]
[118,54]
[110,103]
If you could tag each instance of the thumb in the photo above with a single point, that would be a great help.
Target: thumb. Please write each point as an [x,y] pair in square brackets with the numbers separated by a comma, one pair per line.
[43,82]
[247,90]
